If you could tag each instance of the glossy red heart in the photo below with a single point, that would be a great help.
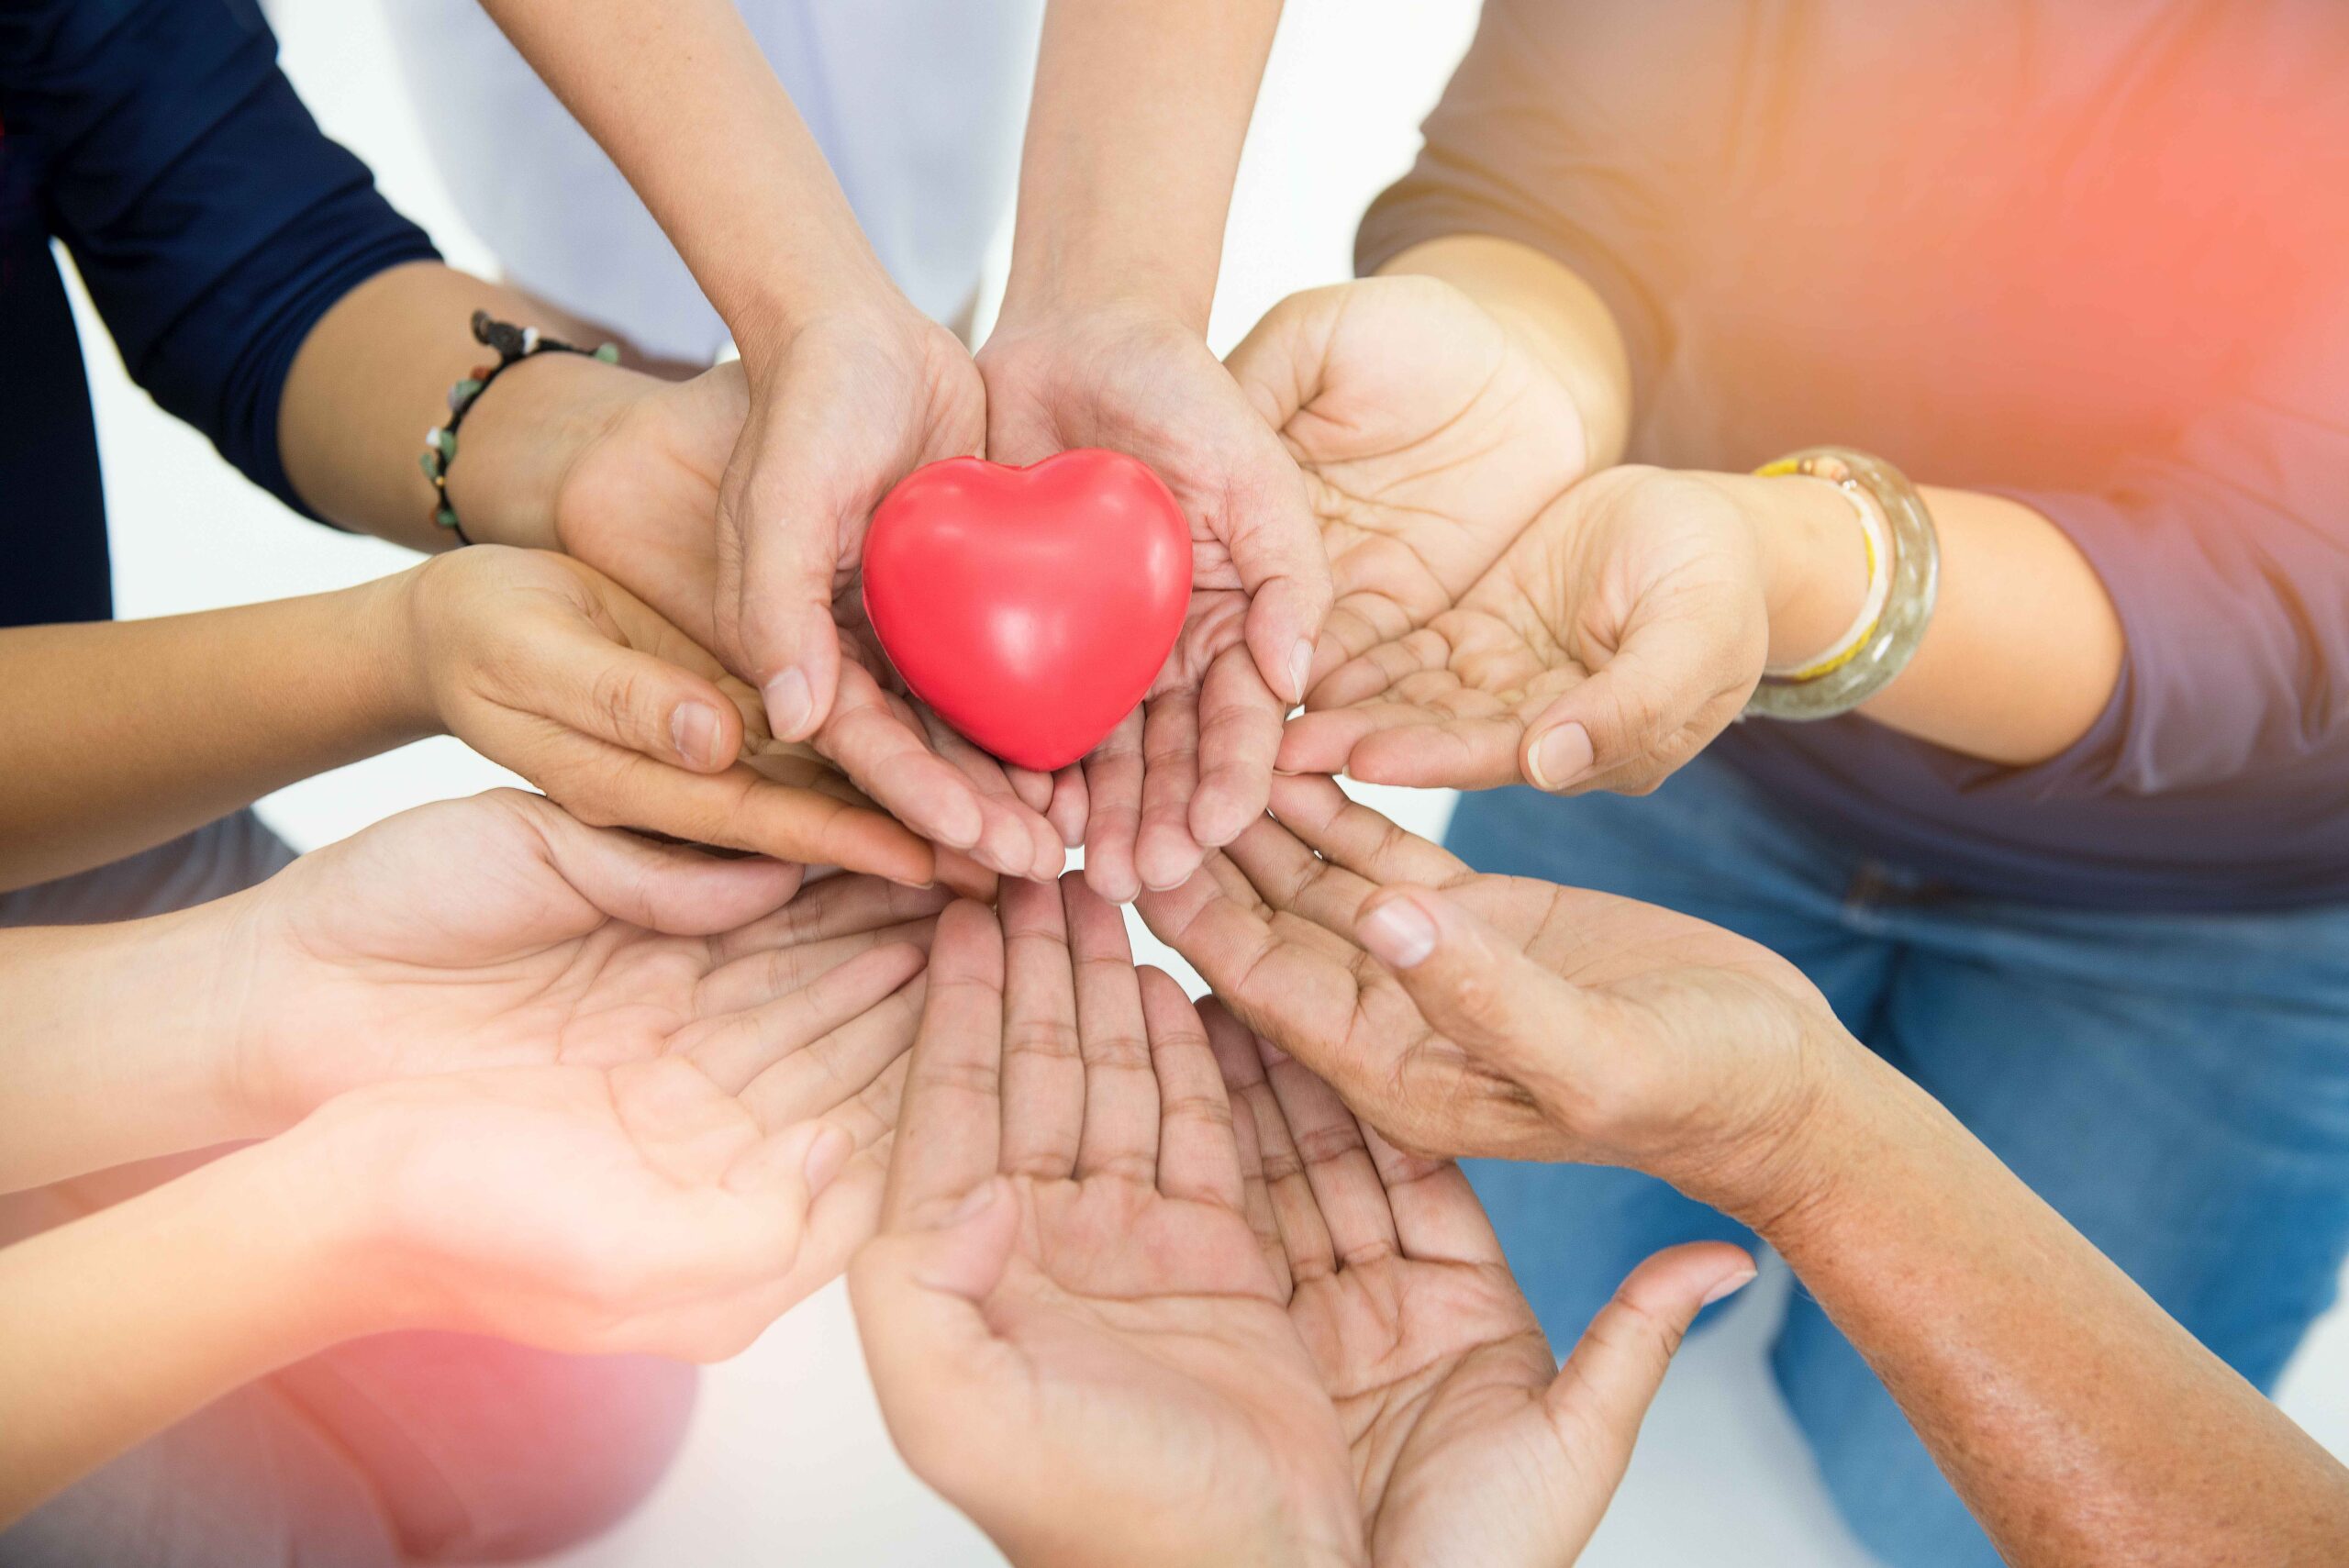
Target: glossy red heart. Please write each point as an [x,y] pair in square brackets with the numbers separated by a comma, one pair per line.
[1031,608]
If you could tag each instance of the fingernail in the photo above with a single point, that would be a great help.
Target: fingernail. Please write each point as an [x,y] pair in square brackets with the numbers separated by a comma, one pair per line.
[1399,932]
[975,1203]
[1730,1283]
[791,703]
[693,729]
[1300,666]
[827,1156]
[1560,758]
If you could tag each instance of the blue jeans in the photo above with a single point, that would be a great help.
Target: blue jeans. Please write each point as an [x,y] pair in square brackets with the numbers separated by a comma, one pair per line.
[2177,1086]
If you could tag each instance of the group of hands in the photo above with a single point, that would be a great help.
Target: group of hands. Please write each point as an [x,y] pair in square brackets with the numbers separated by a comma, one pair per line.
[1114,1257]
[1393,527]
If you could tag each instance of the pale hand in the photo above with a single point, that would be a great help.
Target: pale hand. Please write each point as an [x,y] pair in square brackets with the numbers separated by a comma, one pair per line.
[1189,769]
[1532,1022]
[642,501]
[1619,634]
[1070,1326]
[1471,1447]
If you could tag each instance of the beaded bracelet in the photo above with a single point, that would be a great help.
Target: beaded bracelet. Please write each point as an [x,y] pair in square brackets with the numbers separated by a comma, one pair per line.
[1904,578]
[514,344]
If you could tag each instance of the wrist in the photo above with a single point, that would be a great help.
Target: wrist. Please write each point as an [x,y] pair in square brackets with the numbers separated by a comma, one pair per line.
[138,1082]
[522,435]
[396,614]
[1814,561]
[1796,1176]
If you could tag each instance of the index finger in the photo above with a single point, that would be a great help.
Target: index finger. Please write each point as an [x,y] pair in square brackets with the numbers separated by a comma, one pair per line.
[949,1124]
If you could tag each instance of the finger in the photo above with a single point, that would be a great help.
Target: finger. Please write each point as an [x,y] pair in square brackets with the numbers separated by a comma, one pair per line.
[1043,1067]
[950,1121]
[832,907]
[1234,1045]
[1347,833]
[1612,1374]
[1034,789]
[1632,712]
[1300,995]
[965,877]
[1474,985]
[669,889]
[1197,1160]
[1120,1137]
[1276,548]
[1296,1211]
[1164,852]
[831,1075]
[1421,750]
[814,829]
[1338,1165]
[1290,877]
[1437,1216]
[928,1350]
[1016,839]
[888,758]
[1113,784]
[733,1050]
[779,540]
[1068,810]
[1240,734]
[631,699]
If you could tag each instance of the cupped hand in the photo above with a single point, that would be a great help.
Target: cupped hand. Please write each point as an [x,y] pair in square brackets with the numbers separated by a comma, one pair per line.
[499,931]
[1619,633]
[1428,434]
[1190,768]
[650,1206]
[1463,1014]
[1070,1326]
[642,501]
[1471,1446]
[545,665]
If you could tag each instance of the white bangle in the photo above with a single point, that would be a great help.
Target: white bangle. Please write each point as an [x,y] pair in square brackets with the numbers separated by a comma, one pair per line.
[1876,535]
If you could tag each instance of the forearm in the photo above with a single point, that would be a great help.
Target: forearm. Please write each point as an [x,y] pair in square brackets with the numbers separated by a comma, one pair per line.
[684,102]
[115,1043]
[375,374]
[2079,1422]
[1140,108]
[124,735]
[1556,315]
[2024,646]
[117,1325]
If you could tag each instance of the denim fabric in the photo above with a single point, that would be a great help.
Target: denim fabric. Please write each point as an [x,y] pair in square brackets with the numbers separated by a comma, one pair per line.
[2177,1085]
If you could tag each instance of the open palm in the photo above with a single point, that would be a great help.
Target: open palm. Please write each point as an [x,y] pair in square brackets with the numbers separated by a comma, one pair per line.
[1470,1447]
[498,931]
[1067,1317]
[1429,437]
[1631,606]
[1272,923]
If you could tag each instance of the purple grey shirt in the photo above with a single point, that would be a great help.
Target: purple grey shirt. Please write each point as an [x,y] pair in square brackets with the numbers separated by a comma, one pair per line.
[2094,256]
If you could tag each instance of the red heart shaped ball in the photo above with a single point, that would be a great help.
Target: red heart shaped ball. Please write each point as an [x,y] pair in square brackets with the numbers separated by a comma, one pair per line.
[1031,608]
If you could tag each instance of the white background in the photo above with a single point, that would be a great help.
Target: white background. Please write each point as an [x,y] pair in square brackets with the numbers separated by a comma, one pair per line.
[786,1461]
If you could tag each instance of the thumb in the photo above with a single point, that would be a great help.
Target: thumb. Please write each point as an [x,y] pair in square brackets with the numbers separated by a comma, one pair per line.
[1631,713]
[1609,1381]
[1473,984]
[588,683]
[917,1297]
[789,644]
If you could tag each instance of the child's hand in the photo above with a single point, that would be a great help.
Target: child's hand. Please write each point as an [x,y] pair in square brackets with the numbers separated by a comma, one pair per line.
[548,667]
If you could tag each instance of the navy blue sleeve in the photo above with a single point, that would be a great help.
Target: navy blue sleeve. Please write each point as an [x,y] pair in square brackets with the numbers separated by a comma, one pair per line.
[211,219]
